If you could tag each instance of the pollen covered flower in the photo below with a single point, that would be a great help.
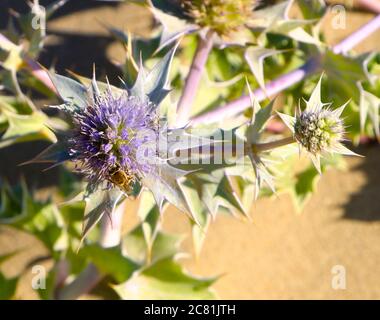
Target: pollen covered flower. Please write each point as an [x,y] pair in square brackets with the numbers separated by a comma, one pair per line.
[221,16]
[231,20]
[108,138]
[318,129]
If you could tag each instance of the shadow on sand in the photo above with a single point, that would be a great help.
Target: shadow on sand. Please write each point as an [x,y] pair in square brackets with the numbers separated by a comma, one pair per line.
[365,205]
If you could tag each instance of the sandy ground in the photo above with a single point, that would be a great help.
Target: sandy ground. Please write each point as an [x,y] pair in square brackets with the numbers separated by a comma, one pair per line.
[281,254]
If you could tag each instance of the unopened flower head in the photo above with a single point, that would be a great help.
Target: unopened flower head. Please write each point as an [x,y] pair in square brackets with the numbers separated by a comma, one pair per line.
[108,137]
[221,16]
[318,131]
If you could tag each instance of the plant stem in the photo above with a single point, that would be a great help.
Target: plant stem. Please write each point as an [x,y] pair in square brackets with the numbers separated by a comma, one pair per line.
[90,277]
[357,36]
[193,78]
[272,88]
[287,80]
[260,147]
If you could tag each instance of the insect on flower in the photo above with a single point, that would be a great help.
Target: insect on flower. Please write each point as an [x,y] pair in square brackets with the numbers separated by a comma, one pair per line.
[114,140]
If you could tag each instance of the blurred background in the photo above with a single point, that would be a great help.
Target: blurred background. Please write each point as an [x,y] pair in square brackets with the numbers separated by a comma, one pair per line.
[281,253]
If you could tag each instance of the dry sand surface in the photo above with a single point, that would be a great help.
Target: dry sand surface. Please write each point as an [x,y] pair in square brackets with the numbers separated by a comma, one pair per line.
[280,254]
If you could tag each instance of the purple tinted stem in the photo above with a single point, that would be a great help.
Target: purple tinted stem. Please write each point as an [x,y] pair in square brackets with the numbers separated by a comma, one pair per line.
[358,36]
[283,82]
[193,78]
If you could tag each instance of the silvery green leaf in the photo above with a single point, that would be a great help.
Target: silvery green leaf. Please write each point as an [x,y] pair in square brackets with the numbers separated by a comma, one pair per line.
[101,86]
[99,203]
[260,116]
[149,214]
[153,84]
[275,19]
[173,26]
[72,93]
[255,57]
[215,190]
[369,106]
[164,245]
[314,104]
[55,154]
[197,207]
[164,280]
[199,213]
[163,183]
[288,120]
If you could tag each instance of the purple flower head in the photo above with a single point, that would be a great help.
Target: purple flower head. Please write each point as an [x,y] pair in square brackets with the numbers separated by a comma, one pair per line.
[113,138]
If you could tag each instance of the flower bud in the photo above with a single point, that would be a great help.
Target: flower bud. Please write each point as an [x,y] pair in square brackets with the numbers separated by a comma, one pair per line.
[318,131]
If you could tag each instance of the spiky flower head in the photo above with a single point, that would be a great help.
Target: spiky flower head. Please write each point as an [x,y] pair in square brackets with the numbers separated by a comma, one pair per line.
[318,129]
[108,137]
[221,16]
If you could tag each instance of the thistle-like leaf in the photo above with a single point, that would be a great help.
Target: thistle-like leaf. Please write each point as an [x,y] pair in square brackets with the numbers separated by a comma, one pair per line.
[173,23]
[153,84]
[72,93]
[369,106]
[163,183]
[99,203]
[255,57]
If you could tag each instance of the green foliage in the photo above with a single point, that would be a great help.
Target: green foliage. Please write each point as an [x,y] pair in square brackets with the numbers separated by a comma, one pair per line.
[8,285]
[165,280]
[110,261]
